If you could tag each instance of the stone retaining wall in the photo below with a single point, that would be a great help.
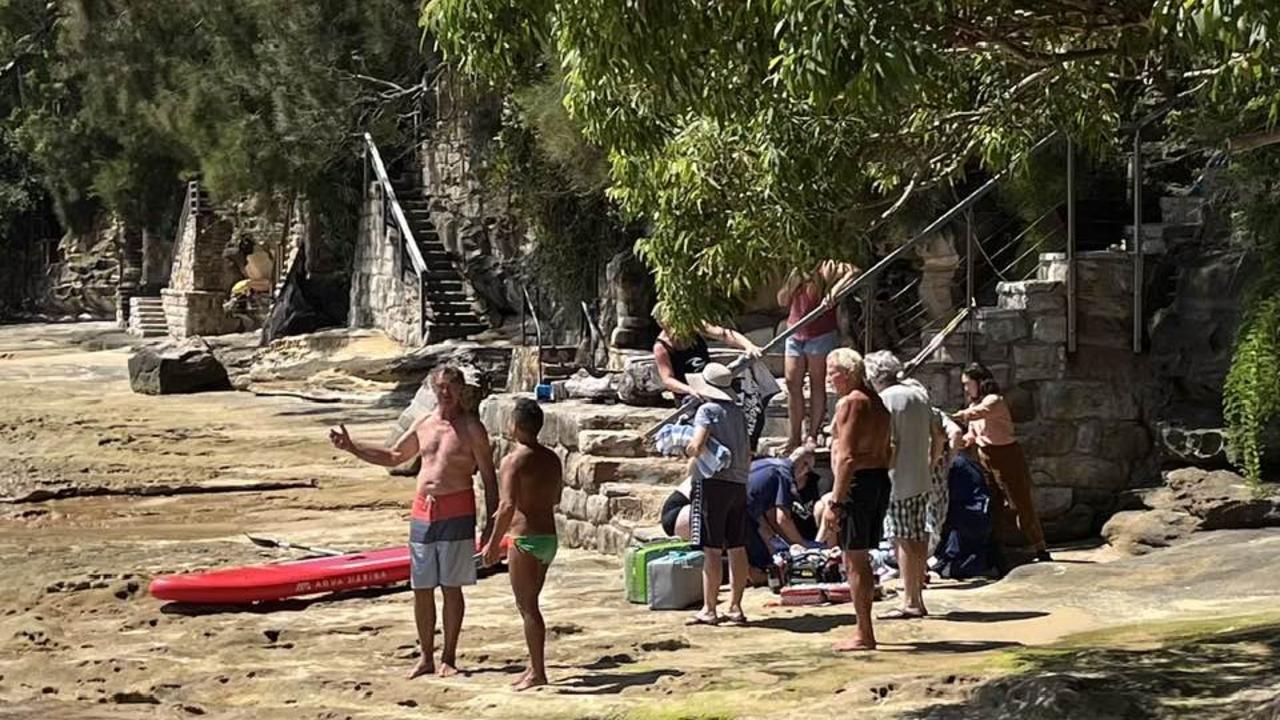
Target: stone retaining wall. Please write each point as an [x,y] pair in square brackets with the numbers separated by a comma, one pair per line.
[613,487]
[200,278]
[384,292]
[1079,417]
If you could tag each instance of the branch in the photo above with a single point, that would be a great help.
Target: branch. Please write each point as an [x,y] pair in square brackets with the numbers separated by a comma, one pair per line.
[1253,141]
[394,87]
[1037,59]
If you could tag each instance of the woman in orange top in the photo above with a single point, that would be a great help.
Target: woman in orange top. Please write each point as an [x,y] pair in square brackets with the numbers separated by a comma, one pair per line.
[991,429]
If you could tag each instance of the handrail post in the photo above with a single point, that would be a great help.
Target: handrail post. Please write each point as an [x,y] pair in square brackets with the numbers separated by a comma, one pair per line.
[1137,240]
[868,311]
[969,291]
[1071,246]
[938,223]
[422,308]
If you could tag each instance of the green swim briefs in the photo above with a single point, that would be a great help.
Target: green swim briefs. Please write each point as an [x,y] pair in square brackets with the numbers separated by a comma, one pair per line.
[542,547]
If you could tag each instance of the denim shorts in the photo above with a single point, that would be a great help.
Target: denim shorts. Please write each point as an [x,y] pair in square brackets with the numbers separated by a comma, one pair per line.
[813,347]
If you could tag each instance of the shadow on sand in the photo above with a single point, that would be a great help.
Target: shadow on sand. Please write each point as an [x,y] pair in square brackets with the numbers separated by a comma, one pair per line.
[805,623]
[948,646]
[611,683]
[291,605]
[1228,675]
[978,616]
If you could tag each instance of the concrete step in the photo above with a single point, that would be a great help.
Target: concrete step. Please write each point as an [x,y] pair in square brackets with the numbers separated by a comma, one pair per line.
[456,320]
[615,443]
[448,299]
[589,473]
[440,332]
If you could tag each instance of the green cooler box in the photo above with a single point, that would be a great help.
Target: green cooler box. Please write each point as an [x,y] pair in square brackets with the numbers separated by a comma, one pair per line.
[635,564]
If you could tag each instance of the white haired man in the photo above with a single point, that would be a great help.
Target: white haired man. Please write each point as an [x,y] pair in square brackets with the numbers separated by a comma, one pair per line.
[906,522]
[862,454]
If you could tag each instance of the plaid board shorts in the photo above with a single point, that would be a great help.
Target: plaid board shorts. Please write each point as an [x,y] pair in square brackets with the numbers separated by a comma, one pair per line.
[908,519]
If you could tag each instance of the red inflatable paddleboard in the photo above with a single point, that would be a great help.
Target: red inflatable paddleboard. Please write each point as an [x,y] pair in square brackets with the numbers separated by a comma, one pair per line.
[276,581]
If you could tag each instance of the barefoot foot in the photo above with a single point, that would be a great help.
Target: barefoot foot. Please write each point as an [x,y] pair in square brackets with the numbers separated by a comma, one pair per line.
[523,676]
[530,680]
[424,667]
[853,645]
[447,669]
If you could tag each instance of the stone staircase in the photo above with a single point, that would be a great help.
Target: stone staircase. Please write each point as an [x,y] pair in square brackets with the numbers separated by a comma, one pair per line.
[614,484]
[146,317]
[450,313]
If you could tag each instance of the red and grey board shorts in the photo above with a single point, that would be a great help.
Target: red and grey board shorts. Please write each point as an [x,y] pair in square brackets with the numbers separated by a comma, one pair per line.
[442,540]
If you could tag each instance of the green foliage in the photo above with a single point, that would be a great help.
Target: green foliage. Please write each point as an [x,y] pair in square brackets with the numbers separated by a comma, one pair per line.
[1251,394]
[557,183]
[255,96]
[755,136]
[1252,390]
[752,136]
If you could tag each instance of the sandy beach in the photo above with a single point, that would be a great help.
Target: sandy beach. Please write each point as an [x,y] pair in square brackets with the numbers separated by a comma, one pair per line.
[102,489]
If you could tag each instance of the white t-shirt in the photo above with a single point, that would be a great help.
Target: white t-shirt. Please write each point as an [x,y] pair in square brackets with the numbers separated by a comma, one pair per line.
[912,420]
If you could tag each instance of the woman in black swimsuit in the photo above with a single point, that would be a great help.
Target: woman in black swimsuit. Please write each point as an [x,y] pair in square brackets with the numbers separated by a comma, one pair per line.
[677,358]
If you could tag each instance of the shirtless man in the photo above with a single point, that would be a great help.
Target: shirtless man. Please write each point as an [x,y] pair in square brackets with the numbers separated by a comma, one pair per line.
[453,445]
[861,457]
[531,484]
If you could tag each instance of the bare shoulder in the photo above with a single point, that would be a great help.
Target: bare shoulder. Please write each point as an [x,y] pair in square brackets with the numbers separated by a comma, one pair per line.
[470,427]
[518,455]
[549,458]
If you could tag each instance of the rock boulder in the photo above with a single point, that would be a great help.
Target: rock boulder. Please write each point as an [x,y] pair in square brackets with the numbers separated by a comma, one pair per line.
[1223,500]
[1138,532]
[641,385]
[186,366]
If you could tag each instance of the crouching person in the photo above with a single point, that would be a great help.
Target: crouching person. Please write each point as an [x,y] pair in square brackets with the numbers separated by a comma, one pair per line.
[773,488]
[529,489]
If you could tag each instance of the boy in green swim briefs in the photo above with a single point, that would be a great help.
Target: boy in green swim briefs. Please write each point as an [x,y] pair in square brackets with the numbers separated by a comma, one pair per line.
[530,482]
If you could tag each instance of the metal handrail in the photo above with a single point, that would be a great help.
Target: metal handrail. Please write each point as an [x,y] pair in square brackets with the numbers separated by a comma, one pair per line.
[407,241]
[186,212]
[942,220]
[397,213]
[537,328]
[597,336]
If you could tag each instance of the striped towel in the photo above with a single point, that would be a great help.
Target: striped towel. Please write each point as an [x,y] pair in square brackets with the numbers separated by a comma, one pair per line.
[673,439]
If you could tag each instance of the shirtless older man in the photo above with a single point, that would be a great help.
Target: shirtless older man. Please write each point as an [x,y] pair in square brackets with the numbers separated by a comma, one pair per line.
[442,531]
[532,479]
[862,454]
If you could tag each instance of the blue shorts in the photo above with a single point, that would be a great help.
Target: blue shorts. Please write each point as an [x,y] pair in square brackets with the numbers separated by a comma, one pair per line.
[820,346]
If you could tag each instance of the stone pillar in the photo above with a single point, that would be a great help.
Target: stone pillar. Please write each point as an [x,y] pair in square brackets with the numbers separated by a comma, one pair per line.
[940,260]
[633,296]
[130,271]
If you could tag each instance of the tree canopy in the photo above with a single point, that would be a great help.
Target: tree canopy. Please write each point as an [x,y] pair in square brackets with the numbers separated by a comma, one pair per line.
[753,135]
[121,99]
[762,133]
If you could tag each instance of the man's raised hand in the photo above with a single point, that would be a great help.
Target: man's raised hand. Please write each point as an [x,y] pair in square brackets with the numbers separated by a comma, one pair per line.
[340,438]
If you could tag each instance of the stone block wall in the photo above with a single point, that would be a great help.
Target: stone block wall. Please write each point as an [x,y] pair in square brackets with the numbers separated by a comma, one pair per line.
[384,292]
[1080,418]
[200,278]
[614,488]
[196,312]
